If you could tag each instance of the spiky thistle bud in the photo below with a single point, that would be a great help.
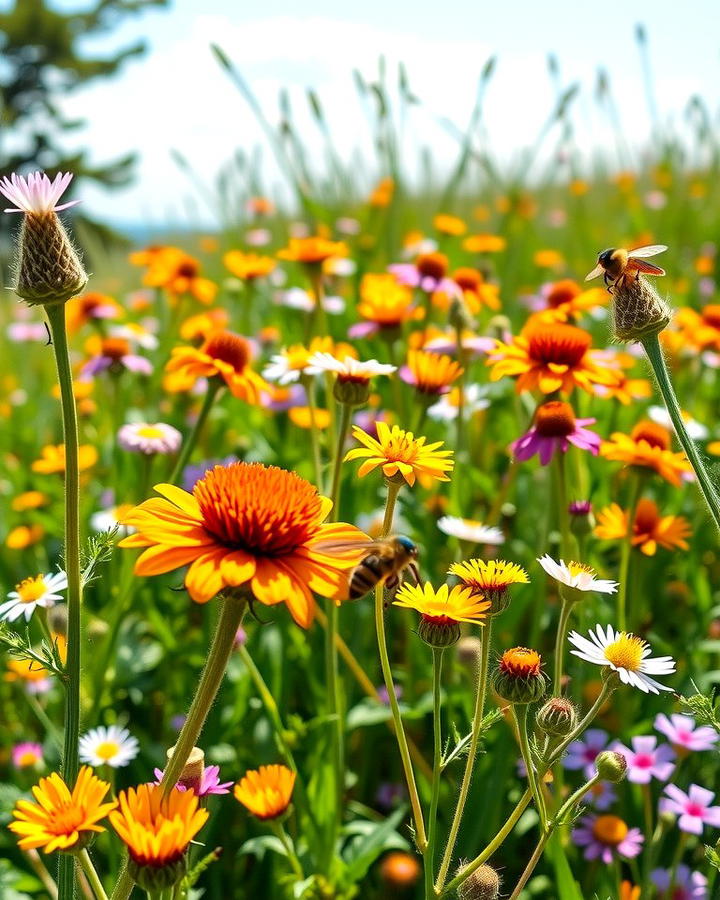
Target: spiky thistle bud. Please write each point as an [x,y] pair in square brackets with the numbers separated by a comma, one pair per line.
[557,716]
[48,269]
[637,310]
[611,766]
[483,884]
[519,678]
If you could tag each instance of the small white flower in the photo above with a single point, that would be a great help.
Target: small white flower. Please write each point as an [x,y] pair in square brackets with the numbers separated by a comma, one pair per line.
[349,368]
[288,365]
[576,575]
[625,654]
[297,298]
[137,333]
[446,409]
[36,194]
[470,530]
[113,746]
[141,437]
[38,591]
[696,430]
[108,519]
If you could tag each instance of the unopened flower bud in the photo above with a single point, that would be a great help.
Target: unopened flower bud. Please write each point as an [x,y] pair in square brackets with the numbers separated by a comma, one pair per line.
[155,879]
[49,271]
[483,884]
[352,392]
[637,310]
[582,520]
[519,678]
[459,316]
[439,631]
[611,766]
[557,716]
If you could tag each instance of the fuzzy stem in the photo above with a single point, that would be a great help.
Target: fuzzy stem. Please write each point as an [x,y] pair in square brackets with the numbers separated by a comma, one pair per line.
[565,610]
[188,446]
[521,722]
[420,836]
[429,854]
[92,875]
[486,641]
[56,321]
[651,344]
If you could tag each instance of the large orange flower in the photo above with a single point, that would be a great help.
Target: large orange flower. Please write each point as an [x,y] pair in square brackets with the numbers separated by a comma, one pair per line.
[551,358]
[222,355]
[565,299]
[179,273]
[648,446]
[247,524]
[650,529]
[248,266]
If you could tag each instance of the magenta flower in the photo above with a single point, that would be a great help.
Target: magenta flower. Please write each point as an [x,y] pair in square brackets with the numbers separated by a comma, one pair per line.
[684,733]
[693,808]
[581,754]
[36,194]
[26,755]
[686,885]
[646,760]
[554,430]
[209,782]
[428,273]
[607,837]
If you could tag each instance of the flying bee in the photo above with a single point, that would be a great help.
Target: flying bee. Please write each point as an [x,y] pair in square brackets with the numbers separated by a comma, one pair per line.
[388,558]
[616,265]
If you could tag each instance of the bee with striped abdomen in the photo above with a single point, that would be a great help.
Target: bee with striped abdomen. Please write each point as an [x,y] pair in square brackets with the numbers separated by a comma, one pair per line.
[617,264]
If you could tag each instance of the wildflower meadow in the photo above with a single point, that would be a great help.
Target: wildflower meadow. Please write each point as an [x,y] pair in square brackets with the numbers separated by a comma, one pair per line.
[363,547]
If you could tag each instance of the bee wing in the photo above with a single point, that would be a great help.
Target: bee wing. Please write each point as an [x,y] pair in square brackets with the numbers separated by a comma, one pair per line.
[650,250]
[345,549]
[598,270]
[645,267]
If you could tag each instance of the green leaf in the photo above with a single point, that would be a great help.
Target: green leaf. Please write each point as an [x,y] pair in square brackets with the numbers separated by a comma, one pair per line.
[565,884]
[361,851]
[259,846]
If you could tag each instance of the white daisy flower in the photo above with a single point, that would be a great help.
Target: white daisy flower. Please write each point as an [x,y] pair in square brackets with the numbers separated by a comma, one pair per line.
[113,746]
[288,365]
[36,194]
[350,369]
[140,334]
[625,654]
[696,430]
[470,530]
[576,575]
[446,409]
[108,519]
[297,298]
[38,591]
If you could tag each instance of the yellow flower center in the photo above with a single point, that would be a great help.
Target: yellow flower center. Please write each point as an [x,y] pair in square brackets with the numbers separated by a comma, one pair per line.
[578,568]
[31,589]
[150,431]
[610,830]
[626,652]
[28,758]
[65,819]
[520,662]
[297,358]
[107,750]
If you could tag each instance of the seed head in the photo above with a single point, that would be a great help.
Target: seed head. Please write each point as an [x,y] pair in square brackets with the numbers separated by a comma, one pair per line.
[637,310]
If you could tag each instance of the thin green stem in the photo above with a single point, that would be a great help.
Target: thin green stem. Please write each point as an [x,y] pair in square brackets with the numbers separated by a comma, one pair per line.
[214,386]
[232,610]
[429,855]
[626,551]
[50,727]
[521,722]
[420,835]
[459,448]
[56,321]
[309,383]
[565,611]
[287,843]
[651,343]
[566,540]
[480,694]
[345,417]
[91,874]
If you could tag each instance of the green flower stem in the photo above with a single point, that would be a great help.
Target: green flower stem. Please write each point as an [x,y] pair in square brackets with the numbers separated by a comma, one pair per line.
[651,344]
[429,854]
[91,874]
[626,551]
[461,356]
[50,727]
[331,632]
[566,540]
[56,321]
[420,836]
[481,692]
[318,316]
[38,866]
[287,843]
[514,817]
[214,386]
[232,611]
[309,383]
[566,606]
[545,837]
[535,787]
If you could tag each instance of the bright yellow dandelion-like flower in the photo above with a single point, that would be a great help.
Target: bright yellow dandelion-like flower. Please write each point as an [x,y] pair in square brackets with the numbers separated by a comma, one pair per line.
[266,791]
[247,524]
[456,604]
[61,820]
[400,452]
[312,250]
[650,529]
[52,459]
[248,266]
[647,446]
[489,574]
[157,829]
[484,243]
[386,302]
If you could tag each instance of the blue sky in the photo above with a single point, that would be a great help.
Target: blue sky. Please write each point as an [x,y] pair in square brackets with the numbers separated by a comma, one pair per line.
[177,97]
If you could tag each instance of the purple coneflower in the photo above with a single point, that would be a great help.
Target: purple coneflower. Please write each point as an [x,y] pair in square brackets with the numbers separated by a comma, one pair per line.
[686,884]
[209,782]
[554,430]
